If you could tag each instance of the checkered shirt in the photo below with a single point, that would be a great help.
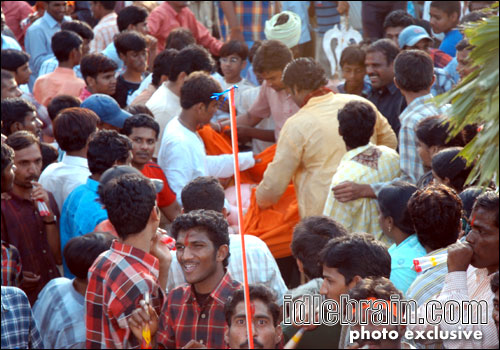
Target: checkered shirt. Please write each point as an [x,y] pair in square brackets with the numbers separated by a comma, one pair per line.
[11,265]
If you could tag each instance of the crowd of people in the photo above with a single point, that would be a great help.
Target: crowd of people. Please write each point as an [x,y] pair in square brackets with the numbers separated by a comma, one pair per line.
[119,218]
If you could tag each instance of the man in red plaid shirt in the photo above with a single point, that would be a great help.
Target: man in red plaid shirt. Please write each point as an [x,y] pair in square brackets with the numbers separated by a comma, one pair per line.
[193,315]
[133,270]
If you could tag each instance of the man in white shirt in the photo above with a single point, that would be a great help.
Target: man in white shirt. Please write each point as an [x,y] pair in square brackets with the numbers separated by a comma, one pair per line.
[72,130]
[182,153]
[165,102]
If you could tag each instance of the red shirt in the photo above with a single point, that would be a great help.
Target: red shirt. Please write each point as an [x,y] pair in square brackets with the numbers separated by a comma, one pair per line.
[440,58]
[166,196]
[182,319]
[164,18]
[118,280]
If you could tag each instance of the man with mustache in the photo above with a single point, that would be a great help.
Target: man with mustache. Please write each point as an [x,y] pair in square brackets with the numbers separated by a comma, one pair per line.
[266,328]
[36,236]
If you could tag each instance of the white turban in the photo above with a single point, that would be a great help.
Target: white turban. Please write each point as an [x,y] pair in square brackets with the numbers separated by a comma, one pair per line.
[288,33]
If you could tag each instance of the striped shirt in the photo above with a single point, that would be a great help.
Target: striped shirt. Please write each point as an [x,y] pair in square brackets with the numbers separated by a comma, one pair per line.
[327,15]
[104,33]
[19,329]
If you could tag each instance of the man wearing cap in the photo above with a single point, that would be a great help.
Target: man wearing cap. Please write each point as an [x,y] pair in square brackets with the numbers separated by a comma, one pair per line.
[416,38]
[81,212]
[109,111]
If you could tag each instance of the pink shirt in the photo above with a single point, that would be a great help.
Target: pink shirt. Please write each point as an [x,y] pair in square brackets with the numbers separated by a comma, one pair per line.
[62,81]
[85,94]
[276,104]
[164,18]
[15,12]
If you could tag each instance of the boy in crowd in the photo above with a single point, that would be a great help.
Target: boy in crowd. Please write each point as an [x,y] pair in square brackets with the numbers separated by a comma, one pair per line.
[266,318]
[134,270]
[67,47]
[36,236]
[60,308]
[18,114]
[471,265]
[352,63]
[73,128]
[56,105]
[9,86]
[363,162]
[233,57]
[106,28]
[444,19]
[143,131]
[131,47]
[165,102]
[98,72]
[194,313]
[395,22]
[182,155]
[81,212]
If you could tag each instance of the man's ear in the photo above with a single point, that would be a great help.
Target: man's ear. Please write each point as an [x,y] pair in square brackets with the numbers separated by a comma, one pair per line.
[226,336]
[16,126]
[91,82]
[278,335]
[396,83]
[354,281]
[300,265]
[122,56]
[182,76]
[222,252]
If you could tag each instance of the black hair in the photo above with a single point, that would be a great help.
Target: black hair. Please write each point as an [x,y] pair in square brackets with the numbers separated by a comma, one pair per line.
[463,45]
[380,288]
[448,7]
[198,88]
[433,131]
[356,123]
[309,234]
[131,15]
[305,74]
[73,127]
[204,192]
[163,64]
[14,110]
[129,200]
[108,5]
[95,63]
[61,102]
[446,164]
[494,282]
[393,202]
[357,254]
[81,251]
[179,38]
[191,59]
[63,42]
[253,50]
[398,18]
[413,70]
[21,139]
[385,46]
[7,156]
[272,55]
[50,154]
[211,222]
[105,148]
[129,40]
[13,59]
[435,212]
[234,47]
[469,196]
[140,121]
[257,292]
[139,109]
[79,27]
[353,54]
[488,201]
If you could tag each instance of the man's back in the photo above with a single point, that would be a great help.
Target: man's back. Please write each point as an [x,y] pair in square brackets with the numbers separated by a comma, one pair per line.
[62,81]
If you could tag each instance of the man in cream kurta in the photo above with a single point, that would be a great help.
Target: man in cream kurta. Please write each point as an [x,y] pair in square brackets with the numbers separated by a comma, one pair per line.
[310,149]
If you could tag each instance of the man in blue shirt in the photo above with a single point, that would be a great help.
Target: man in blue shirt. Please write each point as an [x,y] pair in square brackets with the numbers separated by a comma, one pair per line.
[444,19]
[39,36]
[82,211]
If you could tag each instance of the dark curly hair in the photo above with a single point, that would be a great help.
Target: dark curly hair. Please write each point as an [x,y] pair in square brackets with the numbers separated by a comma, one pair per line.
[356,123]
[436,212]
[15,110]
[204,192]
[257,292]
[193,58]
[105,149]
[162,65]
[129,40]
[374,287]
[433,131]
[73,127]
[129,200]
[413,70]
[310,234]
[398,18]
[446,164]
[214,224]
[198,87]
[179,38]
[305,74]
[489,202]
[140,121]
[272,55]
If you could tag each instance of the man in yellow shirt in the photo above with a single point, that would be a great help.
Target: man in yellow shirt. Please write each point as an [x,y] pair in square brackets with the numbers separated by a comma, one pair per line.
[309,146]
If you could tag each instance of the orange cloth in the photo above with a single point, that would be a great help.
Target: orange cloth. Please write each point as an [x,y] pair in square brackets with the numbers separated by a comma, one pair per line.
[62,81]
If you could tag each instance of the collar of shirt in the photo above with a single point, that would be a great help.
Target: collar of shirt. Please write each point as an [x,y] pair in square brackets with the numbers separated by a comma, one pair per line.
[171,12]
[93,185]
[65,71]
[75,161]
[220,294]
[51,22]
[354,152]
[419,101]
[438,251]
[391,89]
[141,256]
[20,200]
